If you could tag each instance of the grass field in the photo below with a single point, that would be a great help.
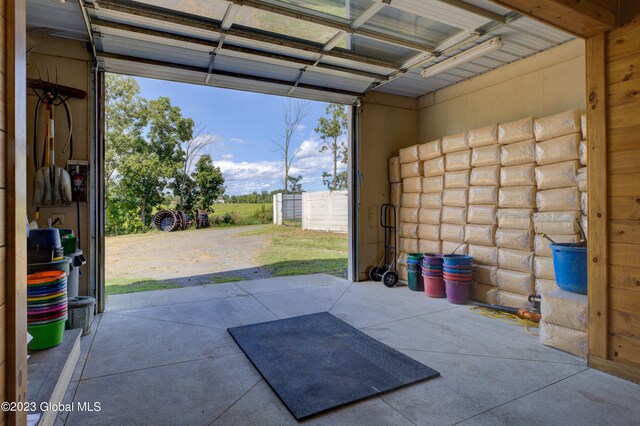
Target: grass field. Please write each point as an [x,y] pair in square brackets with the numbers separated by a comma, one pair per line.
[243,213]
[134,285]
[292,251]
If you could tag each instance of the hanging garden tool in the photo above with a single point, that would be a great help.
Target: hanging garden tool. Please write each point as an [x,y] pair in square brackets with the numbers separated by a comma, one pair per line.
[52,183]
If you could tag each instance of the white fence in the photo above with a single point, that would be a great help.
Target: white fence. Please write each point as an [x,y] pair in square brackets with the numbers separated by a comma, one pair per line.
[286,207]
[325,211]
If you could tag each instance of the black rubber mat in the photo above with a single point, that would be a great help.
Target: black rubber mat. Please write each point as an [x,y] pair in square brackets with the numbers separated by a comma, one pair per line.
[318,362]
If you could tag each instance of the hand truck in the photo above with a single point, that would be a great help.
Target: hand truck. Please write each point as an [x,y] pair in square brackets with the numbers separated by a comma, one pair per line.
[386,270]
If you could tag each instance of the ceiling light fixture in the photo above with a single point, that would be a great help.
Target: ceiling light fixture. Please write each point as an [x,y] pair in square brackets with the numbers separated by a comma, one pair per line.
[464,57]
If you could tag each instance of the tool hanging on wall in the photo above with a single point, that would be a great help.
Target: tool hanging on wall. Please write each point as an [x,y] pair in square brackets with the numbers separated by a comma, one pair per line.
[52,183]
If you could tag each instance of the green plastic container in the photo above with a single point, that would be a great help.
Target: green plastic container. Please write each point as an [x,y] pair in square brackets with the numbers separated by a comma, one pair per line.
[46,336]
[415,256]
[415,281]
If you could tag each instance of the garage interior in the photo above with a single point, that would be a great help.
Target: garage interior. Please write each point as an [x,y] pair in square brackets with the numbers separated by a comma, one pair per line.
[492,64]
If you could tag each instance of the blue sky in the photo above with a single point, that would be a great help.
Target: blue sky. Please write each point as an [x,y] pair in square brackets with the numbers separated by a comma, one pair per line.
[244,125]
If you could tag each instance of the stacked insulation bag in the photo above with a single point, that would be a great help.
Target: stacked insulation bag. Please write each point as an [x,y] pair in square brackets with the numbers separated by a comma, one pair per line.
[431,197]
[46,308]
[411,170]
[516,204]
[581,177]
[455,197]
[480,230]
[559,211]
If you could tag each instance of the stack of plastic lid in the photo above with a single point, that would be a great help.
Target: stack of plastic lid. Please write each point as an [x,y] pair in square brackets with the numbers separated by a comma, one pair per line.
[432,275]
[458,275]
[46,308]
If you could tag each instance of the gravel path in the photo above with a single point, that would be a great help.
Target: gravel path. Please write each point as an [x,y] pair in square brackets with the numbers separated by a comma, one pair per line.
[187,258]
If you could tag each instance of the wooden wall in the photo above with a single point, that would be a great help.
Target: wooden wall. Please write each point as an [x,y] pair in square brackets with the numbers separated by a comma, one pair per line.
[13,344]
[3,206]
[614,62]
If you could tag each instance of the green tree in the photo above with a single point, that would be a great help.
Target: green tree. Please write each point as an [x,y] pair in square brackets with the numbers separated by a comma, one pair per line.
[183,186]
[295,183]
[142,181]
[143,152]
[125,114]
[209,181]
[330,129]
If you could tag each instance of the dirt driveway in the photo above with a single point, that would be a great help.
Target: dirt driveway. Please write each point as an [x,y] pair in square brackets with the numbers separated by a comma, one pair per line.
[187,258]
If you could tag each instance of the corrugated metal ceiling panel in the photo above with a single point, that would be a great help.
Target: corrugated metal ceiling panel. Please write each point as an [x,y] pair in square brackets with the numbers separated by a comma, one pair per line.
[522,37]
[520,41]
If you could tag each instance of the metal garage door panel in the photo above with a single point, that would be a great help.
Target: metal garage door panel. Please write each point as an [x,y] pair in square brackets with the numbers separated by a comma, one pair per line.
[335,82]
[154,51]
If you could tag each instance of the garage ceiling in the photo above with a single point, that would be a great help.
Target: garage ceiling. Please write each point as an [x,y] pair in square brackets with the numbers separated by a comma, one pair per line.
[330,50]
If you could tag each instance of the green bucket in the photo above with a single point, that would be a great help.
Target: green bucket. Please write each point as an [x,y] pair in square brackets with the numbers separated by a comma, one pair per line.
[415,256]
[414,275]
[46,336]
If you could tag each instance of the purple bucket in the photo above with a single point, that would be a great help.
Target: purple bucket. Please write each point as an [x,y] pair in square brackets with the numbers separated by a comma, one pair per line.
[457,292]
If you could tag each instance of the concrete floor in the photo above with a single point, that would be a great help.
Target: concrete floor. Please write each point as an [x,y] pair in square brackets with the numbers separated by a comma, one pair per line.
[165,358]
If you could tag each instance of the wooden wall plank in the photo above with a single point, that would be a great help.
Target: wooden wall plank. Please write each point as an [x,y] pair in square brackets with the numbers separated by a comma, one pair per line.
[623,300]
[586,18]
[630,11]
[620,162]
[624,324]
[623,69]
[625,92]
[624,231]
[624,138]
[615,368]
[622,43]
[597,190]
[3,278]
[623,116]
[3,331]
[16,268]
[3,155]
[626,185]
[625,349]
[624,277]
[624,254]
[624,208]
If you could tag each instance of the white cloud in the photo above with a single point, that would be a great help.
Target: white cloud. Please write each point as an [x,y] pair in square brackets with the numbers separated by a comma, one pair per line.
[227,156]
[238,141]
[245,177]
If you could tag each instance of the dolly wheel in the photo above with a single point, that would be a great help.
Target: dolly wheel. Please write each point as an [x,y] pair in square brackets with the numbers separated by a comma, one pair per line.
[375,273]
[390,279]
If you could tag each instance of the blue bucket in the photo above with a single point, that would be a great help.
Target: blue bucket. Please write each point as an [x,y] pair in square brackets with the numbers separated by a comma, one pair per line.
[570,265]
